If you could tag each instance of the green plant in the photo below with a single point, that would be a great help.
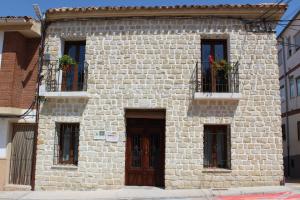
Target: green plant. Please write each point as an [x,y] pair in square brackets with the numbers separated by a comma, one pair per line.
[66,61]
[222,65]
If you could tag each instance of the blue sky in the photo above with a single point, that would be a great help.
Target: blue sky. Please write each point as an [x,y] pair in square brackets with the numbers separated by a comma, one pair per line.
[24,7]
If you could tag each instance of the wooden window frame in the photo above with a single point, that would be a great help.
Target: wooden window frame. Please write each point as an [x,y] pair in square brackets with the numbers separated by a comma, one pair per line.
[77,43]
[227,145]
[74,140]
[67,46]
[212,43]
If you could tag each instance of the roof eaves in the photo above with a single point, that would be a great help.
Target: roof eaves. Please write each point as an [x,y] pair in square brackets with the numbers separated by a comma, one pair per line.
[287,26]
[237,10]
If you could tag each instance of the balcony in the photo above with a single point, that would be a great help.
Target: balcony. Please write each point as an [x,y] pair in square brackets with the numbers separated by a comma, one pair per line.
[212,83]
[70,82]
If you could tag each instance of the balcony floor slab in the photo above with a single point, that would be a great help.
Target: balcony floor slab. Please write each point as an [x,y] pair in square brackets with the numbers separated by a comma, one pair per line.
[217,96]
[69,94]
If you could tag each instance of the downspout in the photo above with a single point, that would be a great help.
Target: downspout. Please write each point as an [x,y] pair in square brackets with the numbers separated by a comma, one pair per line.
[286,107]
[39,79]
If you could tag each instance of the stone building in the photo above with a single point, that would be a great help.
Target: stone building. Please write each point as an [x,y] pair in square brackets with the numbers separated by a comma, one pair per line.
[19,44]
[173,97]
[289,78]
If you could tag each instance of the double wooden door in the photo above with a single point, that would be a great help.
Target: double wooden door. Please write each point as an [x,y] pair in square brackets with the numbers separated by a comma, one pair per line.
[145,152]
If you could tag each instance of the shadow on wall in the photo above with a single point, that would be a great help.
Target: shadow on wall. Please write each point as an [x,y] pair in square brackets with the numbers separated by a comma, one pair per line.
[142,26]
[212,108]
[63,107]
[31,61]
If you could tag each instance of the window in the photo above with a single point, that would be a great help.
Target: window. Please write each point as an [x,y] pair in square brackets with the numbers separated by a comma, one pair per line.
[282,93]
[289,47]
[280,57]
[213,80]
[66,143]
[283,132]
[298,130]
[216,146]
[297,41]
[298,85]
[74,78]
[292,87]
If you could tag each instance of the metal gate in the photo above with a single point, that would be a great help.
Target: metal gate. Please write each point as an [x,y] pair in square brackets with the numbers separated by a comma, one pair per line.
[22,144]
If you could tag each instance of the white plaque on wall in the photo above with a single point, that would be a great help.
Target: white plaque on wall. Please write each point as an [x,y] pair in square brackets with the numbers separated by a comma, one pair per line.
[111,137]
[100,135]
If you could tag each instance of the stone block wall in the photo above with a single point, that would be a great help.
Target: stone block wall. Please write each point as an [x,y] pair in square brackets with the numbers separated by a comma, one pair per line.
[148,63]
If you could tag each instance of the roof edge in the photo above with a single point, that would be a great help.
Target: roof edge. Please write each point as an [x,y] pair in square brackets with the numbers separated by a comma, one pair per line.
[27,26]
[241,11]
[287,26]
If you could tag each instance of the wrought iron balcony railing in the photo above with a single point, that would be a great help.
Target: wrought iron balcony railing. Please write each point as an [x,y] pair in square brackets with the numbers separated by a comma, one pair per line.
[208,78]
[71,78]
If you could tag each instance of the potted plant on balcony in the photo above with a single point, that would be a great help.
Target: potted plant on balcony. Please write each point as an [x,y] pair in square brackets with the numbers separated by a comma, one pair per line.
[66,63]
[221,65]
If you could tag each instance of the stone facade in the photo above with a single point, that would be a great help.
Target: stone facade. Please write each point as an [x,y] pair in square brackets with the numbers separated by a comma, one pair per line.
[148,63]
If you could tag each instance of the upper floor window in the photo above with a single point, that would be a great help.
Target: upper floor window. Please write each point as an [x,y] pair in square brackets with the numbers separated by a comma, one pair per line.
[292,87]
[73,78]
[297,41]
[280,57]
[289,47]
[213,53]
[217,146]
[298,85]
[282,93]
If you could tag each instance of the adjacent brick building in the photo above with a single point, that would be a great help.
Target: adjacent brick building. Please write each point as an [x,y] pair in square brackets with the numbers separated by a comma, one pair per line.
[174,97]
[19,43]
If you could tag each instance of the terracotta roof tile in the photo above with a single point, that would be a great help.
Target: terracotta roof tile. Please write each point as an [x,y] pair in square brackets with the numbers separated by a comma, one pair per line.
[85,9]
[27,18]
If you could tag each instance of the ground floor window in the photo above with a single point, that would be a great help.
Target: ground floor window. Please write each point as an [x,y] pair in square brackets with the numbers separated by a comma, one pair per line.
[66,143]
[217,146]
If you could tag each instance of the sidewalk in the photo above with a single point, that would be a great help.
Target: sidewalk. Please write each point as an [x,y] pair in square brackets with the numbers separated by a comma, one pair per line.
[141,193]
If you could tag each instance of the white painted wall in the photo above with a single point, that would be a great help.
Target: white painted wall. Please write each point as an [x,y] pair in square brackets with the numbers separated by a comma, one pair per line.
[294,102]
[1,45]
[4,129]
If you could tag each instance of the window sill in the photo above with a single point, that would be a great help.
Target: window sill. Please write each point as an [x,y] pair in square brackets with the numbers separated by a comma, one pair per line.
[217,96]
[216,170]
[67,167]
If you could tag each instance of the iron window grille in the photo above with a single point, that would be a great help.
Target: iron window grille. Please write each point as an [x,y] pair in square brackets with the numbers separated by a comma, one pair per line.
[217,148]
[66,143]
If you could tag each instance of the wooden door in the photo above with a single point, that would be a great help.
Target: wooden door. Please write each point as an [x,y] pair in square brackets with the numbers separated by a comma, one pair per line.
[22,154]
[145,152]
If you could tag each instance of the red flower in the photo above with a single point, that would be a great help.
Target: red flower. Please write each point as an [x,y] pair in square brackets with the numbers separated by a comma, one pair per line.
[211,59]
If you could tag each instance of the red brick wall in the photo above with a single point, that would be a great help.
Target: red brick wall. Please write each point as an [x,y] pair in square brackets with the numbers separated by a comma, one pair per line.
[18,72]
